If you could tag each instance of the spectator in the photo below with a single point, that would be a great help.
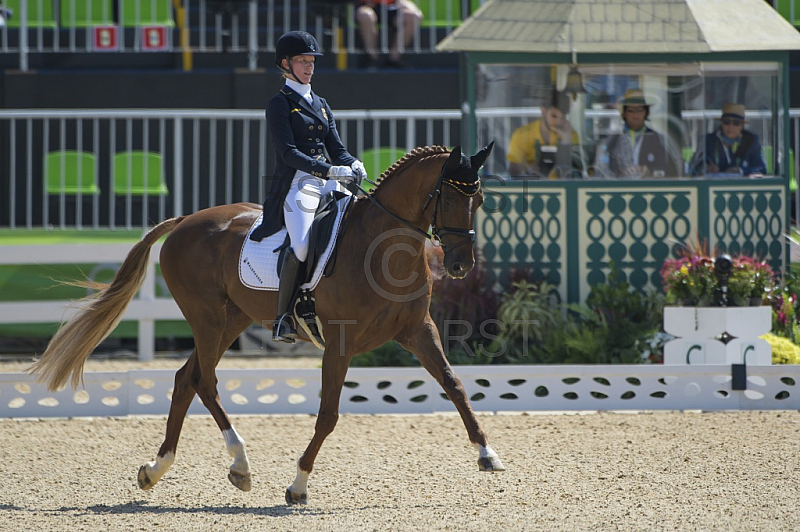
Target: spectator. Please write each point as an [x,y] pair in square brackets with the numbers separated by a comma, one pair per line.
[638,150]
[403,18]
[544,146]
[731,149]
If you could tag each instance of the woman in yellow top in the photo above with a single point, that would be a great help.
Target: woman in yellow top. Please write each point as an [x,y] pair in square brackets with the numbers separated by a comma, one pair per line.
[544,147]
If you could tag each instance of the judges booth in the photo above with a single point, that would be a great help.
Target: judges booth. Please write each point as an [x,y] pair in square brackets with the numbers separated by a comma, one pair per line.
[606,193]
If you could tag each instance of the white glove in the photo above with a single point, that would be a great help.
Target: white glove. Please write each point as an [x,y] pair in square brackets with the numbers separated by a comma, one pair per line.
[359,170]
[343,174]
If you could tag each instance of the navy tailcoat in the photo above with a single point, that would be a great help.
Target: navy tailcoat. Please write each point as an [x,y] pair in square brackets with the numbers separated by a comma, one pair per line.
[305,138]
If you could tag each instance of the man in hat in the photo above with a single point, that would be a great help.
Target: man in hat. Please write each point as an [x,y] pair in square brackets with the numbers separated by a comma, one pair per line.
[638,150]
[731,149]
[544,147]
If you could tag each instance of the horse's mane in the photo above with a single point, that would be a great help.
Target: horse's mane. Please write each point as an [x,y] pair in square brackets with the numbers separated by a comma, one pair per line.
[416,153]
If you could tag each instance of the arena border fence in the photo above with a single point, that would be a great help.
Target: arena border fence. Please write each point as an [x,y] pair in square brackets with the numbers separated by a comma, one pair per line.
[512,388]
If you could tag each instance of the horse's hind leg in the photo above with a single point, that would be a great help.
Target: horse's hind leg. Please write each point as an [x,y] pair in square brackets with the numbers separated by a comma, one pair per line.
[426,345]
[182,395]
[213,335]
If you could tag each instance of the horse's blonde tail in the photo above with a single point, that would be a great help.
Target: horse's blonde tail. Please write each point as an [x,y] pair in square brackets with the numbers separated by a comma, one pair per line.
[76,339]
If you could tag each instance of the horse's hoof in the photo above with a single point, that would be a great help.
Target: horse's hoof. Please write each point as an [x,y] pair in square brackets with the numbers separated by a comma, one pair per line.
[490,463]
[241,481]
[293,498]
[144,481]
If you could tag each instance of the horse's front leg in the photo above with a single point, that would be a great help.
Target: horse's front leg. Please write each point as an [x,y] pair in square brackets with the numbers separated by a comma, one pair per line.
[334,370]
[424,342]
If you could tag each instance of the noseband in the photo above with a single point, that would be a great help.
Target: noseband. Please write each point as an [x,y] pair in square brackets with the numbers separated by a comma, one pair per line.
[436,234]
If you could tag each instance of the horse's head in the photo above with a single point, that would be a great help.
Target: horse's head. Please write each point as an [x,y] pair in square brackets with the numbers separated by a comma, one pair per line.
[458,196]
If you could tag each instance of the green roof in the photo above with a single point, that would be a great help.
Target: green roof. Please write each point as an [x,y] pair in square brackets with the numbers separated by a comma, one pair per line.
[623,26]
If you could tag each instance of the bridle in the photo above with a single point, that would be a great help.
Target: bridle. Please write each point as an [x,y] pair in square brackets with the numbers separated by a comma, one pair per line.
[436,234]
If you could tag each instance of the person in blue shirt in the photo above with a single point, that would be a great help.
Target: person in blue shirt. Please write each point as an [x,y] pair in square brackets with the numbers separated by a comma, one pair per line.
[731,149]
[310,161]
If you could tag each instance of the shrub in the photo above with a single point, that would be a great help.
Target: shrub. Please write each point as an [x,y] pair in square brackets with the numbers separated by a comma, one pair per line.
[389,354]
[609,328]
[470,303]
[784,351]
[786,307]
[527,311]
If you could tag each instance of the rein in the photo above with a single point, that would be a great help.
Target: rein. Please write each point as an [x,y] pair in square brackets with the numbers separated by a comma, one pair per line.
[435,235]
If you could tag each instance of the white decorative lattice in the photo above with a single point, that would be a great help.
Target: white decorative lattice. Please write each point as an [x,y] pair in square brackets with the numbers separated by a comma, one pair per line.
[412,390]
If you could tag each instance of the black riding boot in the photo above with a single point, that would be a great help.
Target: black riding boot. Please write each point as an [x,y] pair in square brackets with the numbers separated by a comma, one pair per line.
[284,329]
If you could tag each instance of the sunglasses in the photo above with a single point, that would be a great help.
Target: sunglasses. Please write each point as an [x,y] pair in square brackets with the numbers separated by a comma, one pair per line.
[728,122]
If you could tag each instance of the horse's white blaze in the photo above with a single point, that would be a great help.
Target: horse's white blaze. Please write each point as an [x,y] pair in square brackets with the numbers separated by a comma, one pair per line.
[156,469]
[236,448]
[300,484]
[485,452]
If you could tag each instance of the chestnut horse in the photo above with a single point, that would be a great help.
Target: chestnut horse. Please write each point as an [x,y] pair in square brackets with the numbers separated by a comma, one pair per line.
[378,294]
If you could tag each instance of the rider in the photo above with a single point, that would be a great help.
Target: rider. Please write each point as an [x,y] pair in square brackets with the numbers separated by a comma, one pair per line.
[310,162]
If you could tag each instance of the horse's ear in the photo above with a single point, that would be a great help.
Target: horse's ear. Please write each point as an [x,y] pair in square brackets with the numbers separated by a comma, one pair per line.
[454,160]
[479,158]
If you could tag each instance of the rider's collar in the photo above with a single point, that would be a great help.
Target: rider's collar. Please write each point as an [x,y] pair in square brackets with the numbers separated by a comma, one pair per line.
[299,88]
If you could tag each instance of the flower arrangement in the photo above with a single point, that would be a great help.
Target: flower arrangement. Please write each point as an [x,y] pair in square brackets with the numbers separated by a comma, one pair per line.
[692,280]
[689,281]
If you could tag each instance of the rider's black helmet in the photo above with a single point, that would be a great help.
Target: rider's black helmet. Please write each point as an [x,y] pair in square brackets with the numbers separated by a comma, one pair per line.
[295,43]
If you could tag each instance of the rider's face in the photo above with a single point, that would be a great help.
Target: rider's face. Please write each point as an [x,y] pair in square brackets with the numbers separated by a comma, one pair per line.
[303,67]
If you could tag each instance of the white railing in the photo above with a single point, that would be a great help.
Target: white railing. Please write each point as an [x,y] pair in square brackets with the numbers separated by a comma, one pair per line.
[146,308]
[207,158]
[206,26]
[212,157]
[413,391]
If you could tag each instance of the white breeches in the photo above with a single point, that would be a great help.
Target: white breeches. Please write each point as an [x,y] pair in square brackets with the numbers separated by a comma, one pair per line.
[301,205]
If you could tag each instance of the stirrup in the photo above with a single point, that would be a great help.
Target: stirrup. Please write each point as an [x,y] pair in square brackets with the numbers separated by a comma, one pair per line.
[284,329]
[306,317]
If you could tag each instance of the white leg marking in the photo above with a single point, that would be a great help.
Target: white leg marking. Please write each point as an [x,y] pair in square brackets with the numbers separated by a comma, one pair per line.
[236,448]
[300,484]
[156,469]
[485,452]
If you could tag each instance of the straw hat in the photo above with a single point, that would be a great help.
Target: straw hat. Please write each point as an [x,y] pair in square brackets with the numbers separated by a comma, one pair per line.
[732,110]
[634,97]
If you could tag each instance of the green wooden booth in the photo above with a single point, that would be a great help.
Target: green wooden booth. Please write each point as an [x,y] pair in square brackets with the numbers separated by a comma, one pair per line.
[572,221]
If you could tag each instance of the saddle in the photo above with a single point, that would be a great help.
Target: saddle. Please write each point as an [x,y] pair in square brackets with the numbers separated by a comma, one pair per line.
[260,262]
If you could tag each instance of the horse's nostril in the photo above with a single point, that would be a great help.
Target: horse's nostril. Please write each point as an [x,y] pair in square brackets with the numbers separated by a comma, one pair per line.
[457,267]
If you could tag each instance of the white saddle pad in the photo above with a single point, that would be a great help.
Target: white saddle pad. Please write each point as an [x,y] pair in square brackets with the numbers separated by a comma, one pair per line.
[258,264]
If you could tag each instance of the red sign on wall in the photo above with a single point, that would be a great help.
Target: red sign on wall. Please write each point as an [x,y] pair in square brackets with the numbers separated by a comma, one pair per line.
[104,39]
[155,38]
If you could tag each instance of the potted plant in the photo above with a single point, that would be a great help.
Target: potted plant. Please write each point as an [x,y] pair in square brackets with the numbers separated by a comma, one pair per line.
[716,335]
[689,281]
[693,280]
